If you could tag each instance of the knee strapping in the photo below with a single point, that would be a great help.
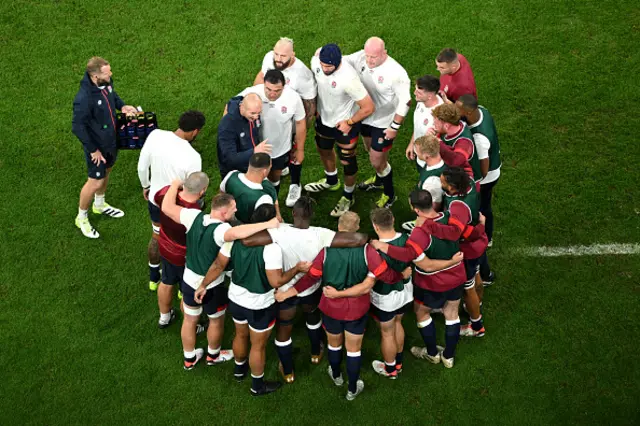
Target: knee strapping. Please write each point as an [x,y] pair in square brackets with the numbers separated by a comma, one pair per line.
[348,159]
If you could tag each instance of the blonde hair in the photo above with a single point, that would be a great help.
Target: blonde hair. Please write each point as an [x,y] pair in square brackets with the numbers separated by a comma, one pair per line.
[447,113]
[429,145]
[349,222]
[95,64]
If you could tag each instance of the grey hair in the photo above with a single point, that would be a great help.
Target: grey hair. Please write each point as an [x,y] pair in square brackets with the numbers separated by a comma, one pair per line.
[286,40]
[196,182]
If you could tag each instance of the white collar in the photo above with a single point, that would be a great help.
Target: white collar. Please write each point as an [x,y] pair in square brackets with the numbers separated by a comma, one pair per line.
[249,183]
[386,240]
[435,166]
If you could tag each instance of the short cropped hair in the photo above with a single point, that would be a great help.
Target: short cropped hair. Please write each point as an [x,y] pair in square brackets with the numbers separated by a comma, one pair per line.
[447,113]
[196,182]
[469,102]
[429,144]
[260,160]
[447,55]
[95,64]
[382,218]
[421,200]
[191,120]
[274,76]
[349,222]
[264,213]
[303,208]
[221,200]
[428,83]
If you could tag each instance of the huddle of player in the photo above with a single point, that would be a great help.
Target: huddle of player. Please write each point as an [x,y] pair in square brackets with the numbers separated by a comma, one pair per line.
[339,278]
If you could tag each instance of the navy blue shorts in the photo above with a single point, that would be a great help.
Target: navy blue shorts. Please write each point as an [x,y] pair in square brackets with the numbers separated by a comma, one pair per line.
[281,162]
[171,274]
[258,319]
[312,299]
[335,326]
[384,316]
[99,171]
[471,268]
[154,212]
[436,299]
[214,302]
[379,142]
[327,136]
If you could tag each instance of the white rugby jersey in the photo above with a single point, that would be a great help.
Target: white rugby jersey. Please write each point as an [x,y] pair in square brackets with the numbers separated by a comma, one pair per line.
[300,245]
[167,157]
[278,117]
[388,85]
[337,93]
[422,122]
[297,76]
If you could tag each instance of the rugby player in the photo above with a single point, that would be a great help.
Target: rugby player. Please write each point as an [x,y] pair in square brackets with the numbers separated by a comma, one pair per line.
[456,77]
[427,98]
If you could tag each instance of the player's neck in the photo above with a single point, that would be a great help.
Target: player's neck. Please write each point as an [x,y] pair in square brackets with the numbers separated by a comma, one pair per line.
[431,102]
[432,161]
[180,133]
[454,130]
[387,235]
[293,61]
[216,214]
[189,198]
[253,177]
[300,223]
[430,214]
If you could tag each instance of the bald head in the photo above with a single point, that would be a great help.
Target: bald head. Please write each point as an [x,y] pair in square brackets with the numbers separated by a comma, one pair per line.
[251,106]
[375,52]
[283,53]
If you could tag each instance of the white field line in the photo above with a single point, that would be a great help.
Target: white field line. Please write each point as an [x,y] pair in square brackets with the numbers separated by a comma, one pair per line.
[592,250]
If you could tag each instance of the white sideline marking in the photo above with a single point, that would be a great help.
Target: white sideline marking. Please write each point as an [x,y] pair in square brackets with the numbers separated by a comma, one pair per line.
[592,250]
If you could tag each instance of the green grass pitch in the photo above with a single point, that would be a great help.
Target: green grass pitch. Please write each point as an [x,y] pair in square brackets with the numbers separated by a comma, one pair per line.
[78,336]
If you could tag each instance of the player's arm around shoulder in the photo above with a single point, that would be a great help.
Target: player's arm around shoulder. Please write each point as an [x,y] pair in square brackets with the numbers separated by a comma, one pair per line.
[169,205]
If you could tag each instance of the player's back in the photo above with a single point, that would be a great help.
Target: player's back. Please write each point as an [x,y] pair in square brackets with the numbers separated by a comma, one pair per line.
[344,267]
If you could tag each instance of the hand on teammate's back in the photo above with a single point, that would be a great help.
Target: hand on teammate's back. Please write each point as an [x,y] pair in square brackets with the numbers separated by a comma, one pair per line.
[303,266]
[406,273]
[263,146]
[330,292]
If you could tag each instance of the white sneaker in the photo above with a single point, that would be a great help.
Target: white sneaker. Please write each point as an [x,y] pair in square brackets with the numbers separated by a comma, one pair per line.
[343,206]
[285,172]
[423,354]
[225,355]
[86,228]
[294,195]
[447,362]
[408,226]
[338,381]
[107,210]
[380,368]
[359,389]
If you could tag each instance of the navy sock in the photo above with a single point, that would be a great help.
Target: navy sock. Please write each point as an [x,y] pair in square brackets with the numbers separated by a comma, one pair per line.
[427,329]
[315,338]
[390,368]
[257,383]
[353,370]
[387,183]
[240,369]
[331,179]
[295,171]
[285,353]
[335,359]
[154,273]
[476,324]
[399,357]
[452,335]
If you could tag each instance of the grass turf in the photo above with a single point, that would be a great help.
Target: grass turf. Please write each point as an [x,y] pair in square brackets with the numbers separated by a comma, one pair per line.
[79,340]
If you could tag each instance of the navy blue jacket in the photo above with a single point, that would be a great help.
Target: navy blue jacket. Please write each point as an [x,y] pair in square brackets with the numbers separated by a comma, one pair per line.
[237,137]
[94,116]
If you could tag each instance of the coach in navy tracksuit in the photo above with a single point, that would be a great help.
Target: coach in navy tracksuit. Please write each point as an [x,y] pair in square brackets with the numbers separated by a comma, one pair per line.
[239,134]
[94,123]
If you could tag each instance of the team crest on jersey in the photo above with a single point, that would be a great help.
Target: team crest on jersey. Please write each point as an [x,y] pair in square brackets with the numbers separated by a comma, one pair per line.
[380,79]
[333,84]
[288,80]
[99,101]
[426,121]
[283,109]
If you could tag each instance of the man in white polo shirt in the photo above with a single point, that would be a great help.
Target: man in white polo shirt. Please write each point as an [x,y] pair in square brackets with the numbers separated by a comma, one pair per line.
[390,88]
[282,116]
[168,156]
[427,98]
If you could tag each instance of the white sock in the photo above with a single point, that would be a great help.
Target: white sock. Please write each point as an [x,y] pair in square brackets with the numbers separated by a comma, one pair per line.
[189,355]
[82,214]
[385,172]
[99,200]
[165,317]
[349,189]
